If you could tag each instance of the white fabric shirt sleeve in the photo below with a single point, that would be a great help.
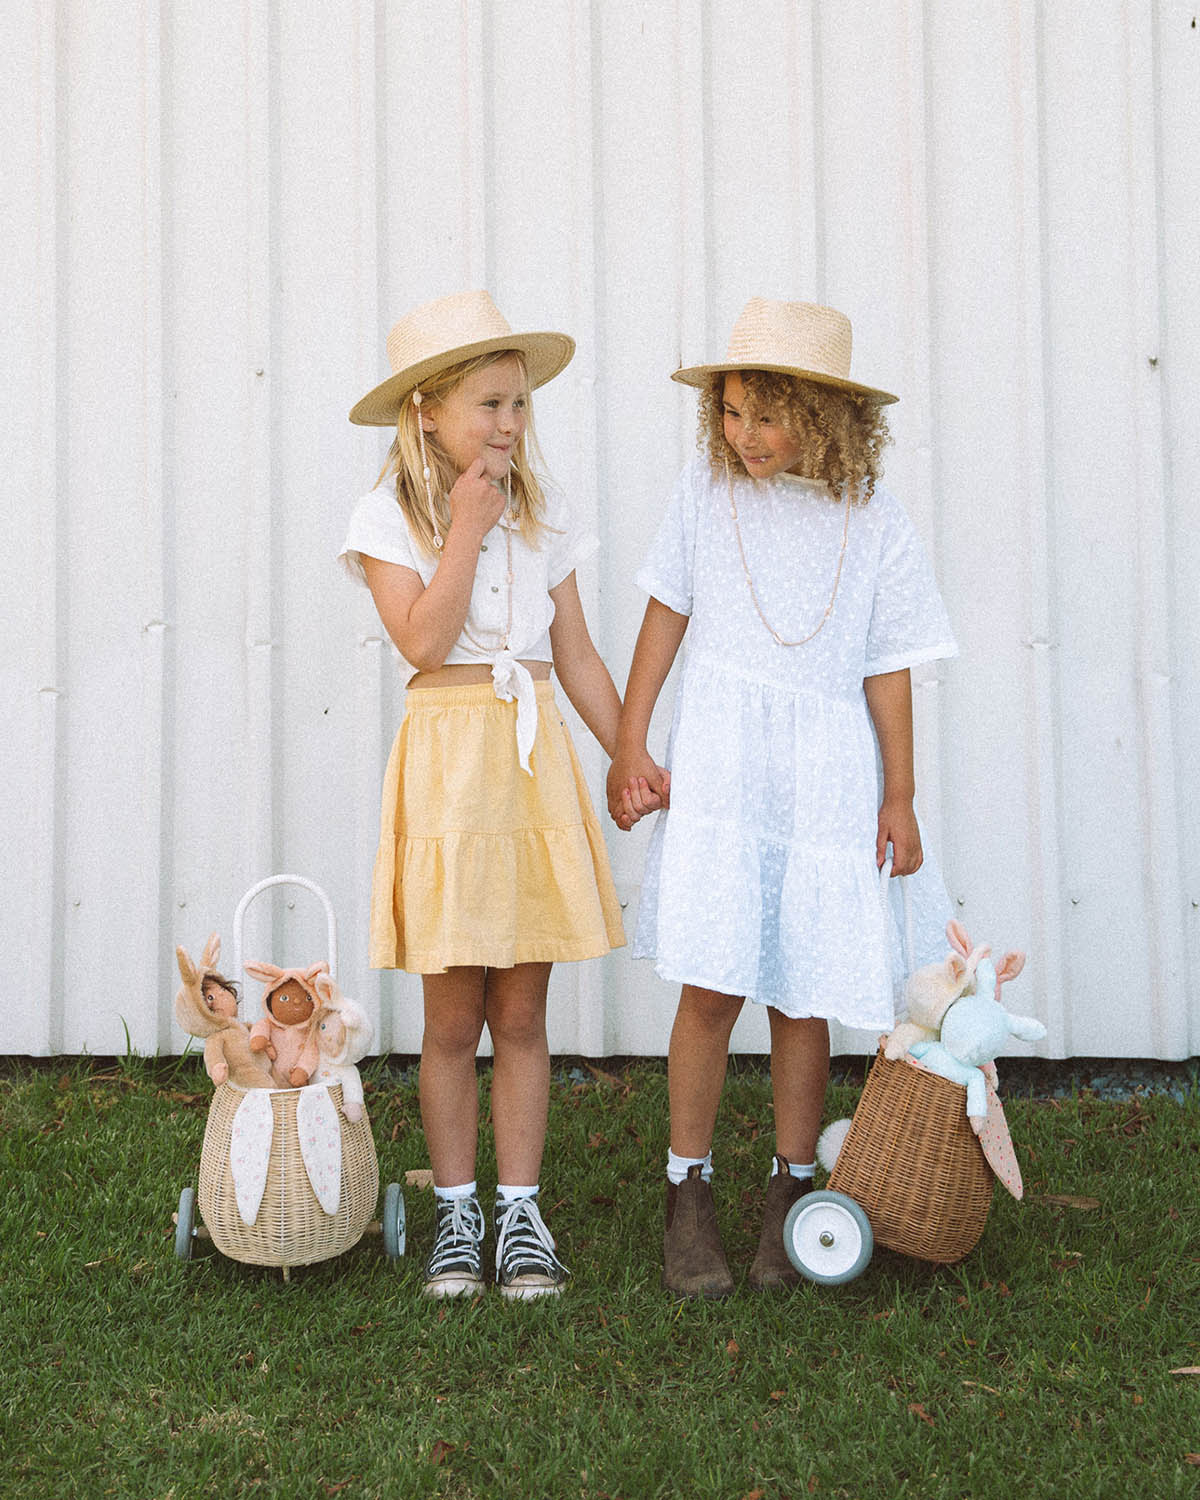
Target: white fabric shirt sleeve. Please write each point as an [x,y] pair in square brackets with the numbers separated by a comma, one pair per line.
[909,624]
[377,528]
[668,571]
[565,543]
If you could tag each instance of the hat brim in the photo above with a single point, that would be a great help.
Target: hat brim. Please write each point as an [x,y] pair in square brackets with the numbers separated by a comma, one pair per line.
[697,375]
[545,355]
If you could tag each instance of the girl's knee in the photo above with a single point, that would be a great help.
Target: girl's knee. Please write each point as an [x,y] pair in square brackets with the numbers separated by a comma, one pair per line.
[708,1009]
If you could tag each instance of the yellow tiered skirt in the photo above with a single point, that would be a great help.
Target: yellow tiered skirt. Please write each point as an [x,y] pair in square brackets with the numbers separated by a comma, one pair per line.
[478,862]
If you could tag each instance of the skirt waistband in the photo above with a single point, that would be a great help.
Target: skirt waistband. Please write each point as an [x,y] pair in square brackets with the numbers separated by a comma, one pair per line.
[469,695]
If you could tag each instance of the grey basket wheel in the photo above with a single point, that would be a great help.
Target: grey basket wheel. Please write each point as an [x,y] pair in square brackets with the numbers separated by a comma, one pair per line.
[393,1221]
[828,1237]
[185,1224]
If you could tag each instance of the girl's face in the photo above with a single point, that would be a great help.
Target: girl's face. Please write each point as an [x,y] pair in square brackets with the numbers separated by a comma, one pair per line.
[764,445]
[482,417]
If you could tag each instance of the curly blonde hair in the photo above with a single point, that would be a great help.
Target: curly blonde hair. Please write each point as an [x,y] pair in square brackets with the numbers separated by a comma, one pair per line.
[843,434]
[404,460]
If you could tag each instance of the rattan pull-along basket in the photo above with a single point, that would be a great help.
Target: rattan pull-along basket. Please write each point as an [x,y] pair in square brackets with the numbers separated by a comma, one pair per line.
[913,1163]
[291,1228]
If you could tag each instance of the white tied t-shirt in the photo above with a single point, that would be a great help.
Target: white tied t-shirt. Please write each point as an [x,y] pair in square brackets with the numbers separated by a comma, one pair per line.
[378,528]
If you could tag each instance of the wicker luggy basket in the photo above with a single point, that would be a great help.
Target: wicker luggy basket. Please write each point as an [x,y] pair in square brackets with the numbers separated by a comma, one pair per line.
[913,1163]
[292,1229]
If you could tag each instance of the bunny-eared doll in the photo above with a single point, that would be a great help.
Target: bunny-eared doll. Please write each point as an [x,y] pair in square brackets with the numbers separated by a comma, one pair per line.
[206,1006]
[344,1035]
[286,1032]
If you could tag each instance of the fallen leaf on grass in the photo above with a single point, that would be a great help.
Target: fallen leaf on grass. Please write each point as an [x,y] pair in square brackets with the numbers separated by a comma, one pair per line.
[1193,1459]
[732,1348]
[333,1489]
[419,1177]
[1069,1262]
[919,1411]
[1187,1370]
[602,1077]
[1070,1200]
[441,1450]
[754,1495]
[979,1385]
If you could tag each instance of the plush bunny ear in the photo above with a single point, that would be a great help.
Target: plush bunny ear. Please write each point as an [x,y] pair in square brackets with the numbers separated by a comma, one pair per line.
[212,952]
[268,973]
[314,969]
[187,969]
[959,940]
[1026,1028]
[328,991]
[1010,966]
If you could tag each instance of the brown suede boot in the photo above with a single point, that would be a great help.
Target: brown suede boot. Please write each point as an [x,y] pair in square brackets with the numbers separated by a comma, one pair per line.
[771,1267]
[694,1263]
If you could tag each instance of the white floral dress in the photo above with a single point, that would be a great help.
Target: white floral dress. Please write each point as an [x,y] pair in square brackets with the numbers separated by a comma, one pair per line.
[761,879]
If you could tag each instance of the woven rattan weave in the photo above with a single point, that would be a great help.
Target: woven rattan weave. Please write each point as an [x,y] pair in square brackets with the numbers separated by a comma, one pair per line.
[913,1163]
[292,1229]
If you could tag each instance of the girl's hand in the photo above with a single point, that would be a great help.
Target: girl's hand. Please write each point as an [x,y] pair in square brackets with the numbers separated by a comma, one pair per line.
[636,786]
[476,501]
[898,827]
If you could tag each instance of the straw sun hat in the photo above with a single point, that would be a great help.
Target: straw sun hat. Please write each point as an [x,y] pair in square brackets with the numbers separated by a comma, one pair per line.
[794,338]
[447,332]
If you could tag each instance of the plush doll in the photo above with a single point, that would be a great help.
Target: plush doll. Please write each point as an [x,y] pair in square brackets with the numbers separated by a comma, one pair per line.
[344,1036]
[286,1032]
[206,1006]
[931,991]
[974,1030]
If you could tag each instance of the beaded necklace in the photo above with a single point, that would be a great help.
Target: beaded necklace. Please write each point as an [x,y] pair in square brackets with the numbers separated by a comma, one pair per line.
[779,640]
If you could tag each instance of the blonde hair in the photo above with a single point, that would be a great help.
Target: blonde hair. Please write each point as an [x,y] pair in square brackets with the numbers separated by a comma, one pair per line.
[404,459]
[843,434]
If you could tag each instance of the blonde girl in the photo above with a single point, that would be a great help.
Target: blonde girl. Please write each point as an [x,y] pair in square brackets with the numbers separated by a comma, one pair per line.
[491,864]
[806,598]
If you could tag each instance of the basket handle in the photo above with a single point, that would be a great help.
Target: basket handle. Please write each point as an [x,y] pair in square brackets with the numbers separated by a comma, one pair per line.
[239,916]
[885,875]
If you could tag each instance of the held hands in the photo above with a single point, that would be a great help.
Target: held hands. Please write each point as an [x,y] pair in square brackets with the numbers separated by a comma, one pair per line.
[476,501]
[898,827]
[636,786]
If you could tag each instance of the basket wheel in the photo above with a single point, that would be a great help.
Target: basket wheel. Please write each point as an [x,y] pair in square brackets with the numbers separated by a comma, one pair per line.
[393,1221]
[828,1237]
[185,1224]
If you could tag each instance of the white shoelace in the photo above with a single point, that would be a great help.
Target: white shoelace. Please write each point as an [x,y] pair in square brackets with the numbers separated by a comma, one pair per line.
[459,1234]
[523,1239]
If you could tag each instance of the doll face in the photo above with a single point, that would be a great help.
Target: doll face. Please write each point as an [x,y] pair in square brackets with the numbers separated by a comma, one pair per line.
[221,1001]
[483,417]
[763,444]
[331,1032]
[290,1003]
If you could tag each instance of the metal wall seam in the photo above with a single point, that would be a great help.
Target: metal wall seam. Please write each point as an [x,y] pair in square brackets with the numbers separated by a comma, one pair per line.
[157,788]
[1163,875]
[47,967]
[261,189]
[368,696]
[1044,748]
[476,118]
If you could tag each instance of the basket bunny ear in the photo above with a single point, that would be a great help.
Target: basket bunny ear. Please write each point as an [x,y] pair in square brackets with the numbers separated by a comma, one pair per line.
[328,991]
[959,940]
[212,952]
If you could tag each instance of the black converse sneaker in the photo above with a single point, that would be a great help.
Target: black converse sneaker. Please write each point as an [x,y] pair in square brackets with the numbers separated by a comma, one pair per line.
[526,1265]
[455,1269]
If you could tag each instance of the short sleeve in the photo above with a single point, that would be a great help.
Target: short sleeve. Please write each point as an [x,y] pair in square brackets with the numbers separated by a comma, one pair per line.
[909,624]
[377,529]
[669,569]
[567,544]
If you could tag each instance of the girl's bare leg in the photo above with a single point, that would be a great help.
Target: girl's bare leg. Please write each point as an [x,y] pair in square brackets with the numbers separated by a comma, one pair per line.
[696,1063]
[515,1011]
[454,1007]
[799,1075]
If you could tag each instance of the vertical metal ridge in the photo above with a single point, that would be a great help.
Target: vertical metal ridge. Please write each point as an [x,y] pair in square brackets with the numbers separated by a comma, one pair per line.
[156,791]
[1160,814]
[260,104]
[1044,748]
[820,247]
[476,117]
[693,103]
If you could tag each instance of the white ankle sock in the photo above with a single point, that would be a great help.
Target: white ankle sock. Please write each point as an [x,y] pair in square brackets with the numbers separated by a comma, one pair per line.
[677,1167]
[806,1170]
[448,1194]
[507,1192]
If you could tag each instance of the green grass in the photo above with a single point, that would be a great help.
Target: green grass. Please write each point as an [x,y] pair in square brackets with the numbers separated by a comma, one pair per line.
[1039,1367]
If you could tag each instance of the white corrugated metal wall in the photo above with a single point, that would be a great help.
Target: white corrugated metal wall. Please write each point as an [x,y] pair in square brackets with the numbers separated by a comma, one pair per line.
[217,207]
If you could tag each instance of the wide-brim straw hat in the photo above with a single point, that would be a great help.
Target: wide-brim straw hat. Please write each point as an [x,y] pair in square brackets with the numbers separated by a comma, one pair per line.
[793,338]
[447,332]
